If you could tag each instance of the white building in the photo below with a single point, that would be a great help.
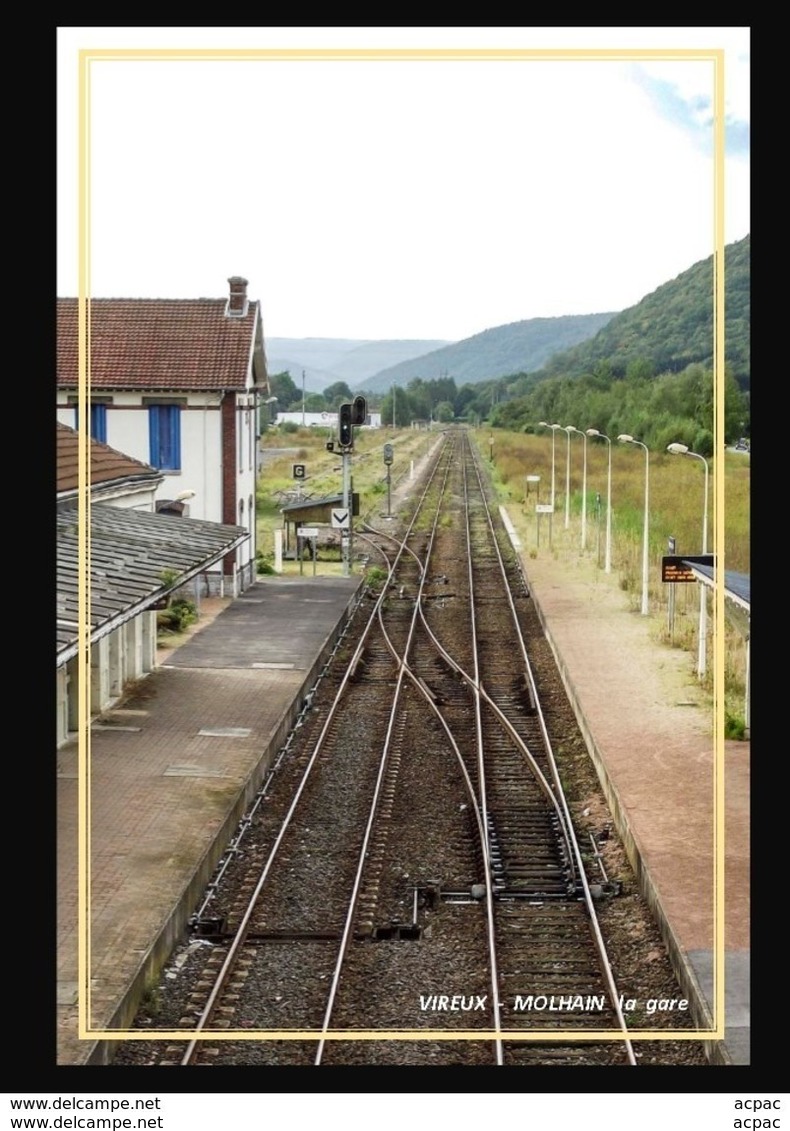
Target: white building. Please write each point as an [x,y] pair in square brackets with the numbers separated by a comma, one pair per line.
[309,419]
[323,419]
[176,383]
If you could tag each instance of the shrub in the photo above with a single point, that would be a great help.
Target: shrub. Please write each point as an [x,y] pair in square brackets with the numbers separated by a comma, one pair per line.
[375,576]
[177,616]
[265,563]
[734,726]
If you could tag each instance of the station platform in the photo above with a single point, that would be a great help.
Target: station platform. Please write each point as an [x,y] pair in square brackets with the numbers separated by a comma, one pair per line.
[175,765]
[649,729]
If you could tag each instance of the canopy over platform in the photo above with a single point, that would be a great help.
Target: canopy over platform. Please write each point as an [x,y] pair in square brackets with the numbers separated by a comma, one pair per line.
[737,609]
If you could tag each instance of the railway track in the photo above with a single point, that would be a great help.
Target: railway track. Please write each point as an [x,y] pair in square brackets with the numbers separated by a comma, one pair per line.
[411,867]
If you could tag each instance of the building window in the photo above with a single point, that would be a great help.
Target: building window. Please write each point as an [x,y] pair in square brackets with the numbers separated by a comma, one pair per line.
[240,436]
[98,420]
[164,428]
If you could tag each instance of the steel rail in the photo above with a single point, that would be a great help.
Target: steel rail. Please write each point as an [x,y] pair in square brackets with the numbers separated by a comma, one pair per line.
[383,764]
[603,957]
[481,785]
[405,671]
[242,931]
[420,687]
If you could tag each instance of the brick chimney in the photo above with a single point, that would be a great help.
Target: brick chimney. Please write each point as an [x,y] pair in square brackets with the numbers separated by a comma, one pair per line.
[238,302]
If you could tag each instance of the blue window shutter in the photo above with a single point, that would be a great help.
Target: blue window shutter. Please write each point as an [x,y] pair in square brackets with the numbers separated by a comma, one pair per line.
[164,426]
[175,437]
[153,435]
[99,422]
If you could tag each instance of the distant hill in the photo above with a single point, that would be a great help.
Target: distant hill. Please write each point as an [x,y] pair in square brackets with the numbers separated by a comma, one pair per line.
[669,329]
[328,360]
[673,326]
[518,347]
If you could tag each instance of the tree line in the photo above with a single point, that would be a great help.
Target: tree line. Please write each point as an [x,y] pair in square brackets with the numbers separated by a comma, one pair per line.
[657,409]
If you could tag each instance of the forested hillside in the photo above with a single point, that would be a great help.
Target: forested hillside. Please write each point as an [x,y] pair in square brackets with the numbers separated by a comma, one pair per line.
[513,348]
[673,327]
[647,372]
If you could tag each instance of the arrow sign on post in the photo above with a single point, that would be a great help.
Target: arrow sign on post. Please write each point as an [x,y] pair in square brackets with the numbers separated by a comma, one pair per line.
[340,518]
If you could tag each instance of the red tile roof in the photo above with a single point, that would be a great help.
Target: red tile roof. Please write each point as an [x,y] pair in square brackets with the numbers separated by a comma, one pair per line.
[160,344]
[107,464]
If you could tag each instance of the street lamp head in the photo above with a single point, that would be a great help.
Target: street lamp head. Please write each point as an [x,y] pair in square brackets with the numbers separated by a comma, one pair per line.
[593,432]
[543,424]
[624,438]
[677,449]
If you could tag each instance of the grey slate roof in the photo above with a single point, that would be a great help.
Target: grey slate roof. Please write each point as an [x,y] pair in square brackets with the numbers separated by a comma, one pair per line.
[310,503]
[129,550]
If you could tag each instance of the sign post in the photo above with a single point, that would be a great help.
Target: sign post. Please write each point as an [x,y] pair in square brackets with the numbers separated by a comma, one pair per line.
[598,529]
[671,602]
[299,470]
[345,535]
[388,454]
[535,479]
[546,508]
[303,534]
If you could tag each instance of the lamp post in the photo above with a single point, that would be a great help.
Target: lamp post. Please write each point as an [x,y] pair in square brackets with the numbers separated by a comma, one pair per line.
[624,438]
[608,552]
[567,429]
[553,427]
[554,433]
[584,484]
[536,480]
[682,450]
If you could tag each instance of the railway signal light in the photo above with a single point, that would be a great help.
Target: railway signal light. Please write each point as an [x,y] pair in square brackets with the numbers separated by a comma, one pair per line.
[359,410]
[345,427]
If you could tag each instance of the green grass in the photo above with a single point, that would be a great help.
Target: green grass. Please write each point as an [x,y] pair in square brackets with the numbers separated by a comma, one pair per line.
[676,488]
[676,504]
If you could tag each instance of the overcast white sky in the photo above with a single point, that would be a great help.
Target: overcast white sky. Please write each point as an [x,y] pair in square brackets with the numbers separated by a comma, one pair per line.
[390,198]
